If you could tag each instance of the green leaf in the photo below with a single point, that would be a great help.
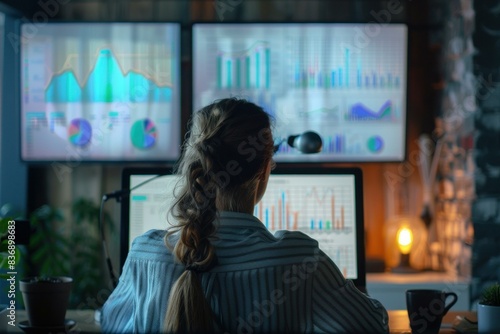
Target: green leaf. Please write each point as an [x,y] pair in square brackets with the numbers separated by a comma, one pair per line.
[491,295]
[40,255]
[70,248]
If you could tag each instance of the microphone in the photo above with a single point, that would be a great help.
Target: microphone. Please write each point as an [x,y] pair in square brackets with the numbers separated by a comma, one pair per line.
[308,142]
[121,193]
[118,195]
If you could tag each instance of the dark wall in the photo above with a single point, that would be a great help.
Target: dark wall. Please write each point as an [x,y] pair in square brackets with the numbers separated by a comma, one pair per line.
[486,209]
[26,7]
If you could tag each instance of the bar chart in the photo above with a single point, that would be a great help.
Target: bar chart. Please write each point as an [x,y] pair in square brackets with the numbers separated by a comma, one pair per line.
[297,209]
[344,75]
[321,206]
[247,69]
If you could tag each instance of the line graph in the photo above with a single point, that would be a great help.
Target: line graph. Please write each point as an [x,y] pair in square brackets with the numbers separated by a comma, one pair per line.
[137,62]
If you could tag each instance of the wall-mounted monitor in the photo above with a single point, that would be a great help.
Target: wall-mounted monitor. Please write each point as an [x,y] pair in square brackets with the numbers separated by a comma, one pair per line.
[347,82]
[100,92]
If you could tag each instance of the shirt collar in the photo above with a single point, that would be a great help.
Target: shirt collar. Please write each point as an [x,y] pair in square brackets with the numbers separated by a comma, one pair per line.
[240,219]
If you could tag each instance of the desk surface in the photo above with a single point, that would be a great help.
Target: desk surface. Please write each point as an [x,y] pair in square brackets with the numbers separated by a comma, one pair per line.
[398,321]
[84,319]
[424,277]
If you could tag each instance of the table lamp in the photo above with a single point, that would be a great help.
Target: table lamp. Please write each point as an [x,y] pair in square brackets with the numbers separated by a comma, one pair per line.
[404,241]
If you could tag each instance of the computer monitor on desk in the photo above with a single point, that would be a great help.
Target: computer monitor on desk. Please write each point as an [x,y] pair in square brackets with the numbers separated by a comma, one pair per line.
[327,205]
[147,206]
[324,203]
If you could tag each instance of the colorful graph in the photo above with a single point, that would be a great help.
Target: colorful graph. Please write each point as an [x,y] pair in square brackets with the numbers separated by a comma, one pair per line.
[318,211]
[321,79]
[334,144]
[321,206]
[79,132]
[375,144]
[346,75]
[326,212]
[360,112]
[143,134]
[84,87]
[249,68]
[106,82]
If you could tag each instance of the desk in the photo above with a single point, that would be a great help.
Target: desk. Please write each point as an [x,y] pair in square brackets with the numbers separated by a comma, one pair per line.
[398,321]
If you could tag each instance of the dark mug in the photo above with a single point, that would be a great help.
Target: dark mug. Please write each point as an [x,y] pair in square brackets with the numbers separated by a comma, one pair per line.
[426,309]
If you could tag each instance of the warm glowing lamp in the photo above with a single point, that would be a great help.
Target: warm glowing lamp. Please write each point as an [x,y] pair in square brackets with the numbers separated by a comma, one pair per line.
[404,239]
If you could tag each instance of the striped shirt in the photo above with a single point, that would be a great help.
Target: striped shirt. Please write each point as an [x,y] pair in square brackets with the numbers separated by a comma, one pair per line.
[263,283]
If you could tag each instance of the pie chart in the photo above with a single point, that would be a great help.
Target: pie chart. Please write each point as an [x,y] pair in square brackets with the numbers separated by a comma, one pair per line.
[143,134]
[79,132]
[375,144]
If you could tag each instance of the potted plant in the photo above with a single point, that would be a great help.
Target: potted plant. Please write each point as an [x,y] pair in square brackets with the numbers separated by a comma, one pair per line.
[46,300]
[70,246]
[488,310]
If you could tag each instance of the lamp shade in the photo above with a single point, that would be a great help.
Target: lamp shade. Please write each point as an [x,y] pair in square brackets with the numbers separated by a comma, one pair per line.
[405,228]
[404,238]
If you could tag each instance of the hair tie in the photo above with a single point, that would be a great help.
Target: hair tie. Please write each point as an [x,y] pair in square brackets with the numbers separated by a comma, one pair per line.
[192,267]
[197,269]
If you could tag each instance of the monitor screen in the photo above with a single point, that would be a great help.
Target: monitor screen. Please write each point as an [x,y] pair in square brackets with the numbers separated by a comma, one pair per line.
[347,82]
[100,92]
[148,204]
[326,204]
